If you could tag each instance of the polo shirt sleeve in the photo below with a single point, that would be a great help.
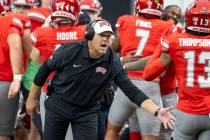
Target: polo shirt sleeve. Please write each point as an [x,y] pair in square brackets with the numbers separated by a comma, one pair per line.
[52,64]
[124,83]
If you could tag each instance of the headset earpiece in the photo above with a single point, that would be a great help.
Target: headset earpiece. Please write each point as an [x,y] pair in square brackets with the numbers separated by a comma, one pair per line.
[89,33]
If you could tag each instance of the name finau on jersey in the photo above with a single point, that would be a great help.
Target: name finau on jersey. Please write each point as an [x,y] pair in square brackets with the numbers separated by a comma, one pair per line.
[145,24]
[67,36]
[192,42]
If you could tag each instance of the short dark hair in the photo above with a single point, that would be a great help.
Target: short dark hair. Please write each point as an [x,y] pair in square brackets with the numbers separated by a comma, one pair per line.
[169,7]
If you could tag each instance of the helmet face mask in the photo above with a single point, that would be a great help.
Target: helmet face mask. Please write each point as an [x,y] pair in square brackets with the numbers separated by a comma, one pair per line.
[197,17]
[27,3]
[4,6]
[22,6]
[68,9]
[149,8]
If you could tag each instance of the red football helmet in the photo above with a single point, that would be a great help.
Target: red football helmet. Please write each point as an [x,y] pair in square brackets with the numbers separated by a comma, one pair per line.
[30,3]
[197,16]
[149,8]
[91,5]
[65,9]
[4,6]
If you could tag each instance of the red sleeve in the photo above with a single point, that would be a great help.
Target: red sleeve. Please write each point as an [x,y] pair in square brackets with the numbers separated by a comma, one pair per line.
[155,55]
[169,30]
[17,23]
[153,67]
[37,36]
[13,29]
[21,22]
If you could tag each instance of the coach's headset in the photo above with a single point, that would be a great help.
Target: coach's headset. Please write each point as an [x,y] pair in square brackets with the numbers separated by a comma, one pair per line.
[89,33]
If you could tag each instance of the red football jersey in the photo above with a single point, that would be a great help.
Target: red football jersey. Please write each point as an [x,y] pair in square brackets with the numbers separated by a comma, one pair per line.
[191,58]
[140,35]
[47,39]
[38,16]
[18,21]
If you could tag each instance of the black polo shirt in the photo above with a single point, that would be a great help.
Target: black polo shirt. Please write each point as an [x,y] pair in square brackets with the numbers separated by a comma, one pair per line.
[80,81]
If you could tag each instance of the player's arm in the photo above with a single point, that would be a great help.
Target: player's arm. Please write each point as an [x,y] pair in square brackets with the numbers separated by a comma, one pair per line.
[16,56]
[26,41]
[156,66]
[141,63]
[137,65]
[35,53]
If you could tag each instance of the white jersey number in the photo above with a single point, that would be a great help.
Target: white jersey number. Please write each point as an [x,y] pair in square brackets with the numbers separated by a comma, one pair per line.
[144,34]
[203,58]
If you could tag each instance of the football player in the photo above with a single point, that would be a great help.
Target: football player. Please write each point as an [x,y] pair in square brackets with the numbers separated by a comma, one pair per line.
[189,53]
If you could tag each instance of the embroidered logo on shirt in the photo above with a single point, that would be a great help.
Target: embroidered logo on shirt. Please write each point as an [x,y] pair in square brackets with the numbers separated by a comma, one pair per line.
[76,66]
[101,70]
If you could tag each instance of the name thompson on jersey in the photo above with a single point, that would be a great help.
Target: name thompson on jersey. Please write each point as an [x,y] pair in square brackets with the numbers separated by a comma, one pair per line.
[194,42]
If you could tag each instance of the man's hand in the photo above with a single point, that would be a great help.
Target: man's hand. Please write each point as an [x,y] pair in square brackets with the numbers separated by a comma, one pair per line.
[130,57]
[32,106]
[14,88]
[166,117]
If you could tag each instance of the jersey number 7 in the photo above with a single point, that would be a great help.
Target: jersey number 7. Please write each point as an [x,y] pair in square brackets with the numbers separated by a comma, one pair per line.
[144,34]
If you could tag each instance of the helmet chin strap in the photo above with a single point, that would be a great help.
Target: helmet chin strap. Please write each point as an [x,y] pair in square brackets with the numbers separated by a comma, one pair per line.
[65,21]
[196,32]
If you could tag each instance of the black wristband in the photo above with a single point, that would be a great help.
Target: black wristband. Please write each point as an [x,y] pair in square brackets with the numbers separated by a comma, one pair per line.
[157,112]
